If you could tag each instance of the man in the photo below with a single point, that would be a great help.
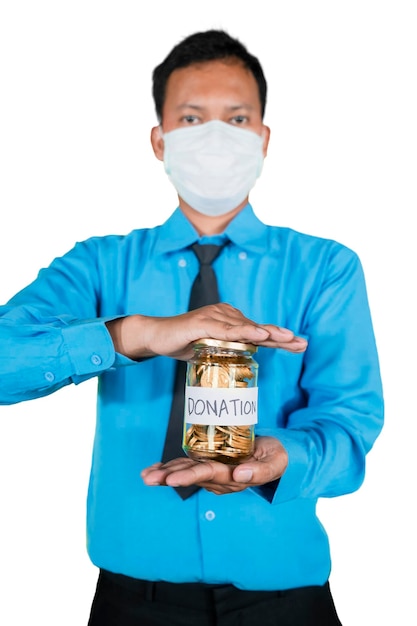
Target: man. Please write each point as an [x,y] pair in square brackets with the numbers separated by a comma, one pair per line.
[116,307]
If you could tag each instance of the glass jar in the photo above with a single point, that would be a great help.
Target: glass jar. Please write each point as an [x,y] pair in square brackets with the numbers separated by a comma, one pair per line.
[221,402]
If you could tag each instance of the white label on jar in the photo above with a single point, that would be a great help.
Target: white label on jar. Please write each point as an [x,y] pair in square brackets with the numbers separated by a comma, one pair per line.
[221,406]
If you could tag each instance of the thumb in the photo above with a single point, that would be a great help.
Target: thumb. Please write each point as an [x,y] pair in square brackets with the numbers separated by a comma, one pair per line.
[256,473]
[243,474]
[271,460]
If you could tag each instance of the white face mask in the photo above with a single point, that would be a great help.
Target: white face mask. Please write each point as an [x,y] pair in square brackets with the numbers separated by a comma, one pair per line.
[214,165]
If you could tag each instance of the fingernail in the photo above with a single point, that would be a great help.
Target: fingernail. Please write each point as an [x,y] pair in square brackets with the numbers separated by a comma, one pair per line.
[244,475]
[286,331]
[261,331]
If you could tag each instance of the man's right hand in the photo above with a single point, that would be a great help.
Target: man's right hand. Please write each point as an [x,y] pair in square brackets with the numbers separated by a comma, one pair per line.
[141,336]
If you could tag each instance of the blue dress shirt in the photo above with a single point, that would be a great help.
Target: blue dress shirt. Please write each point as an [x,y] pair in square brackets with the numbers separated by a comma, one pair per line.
[325,405]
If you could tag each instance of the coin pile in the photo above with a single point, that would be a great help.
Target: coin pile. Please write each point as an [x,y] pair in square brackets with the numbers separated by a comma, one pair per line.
[227,444]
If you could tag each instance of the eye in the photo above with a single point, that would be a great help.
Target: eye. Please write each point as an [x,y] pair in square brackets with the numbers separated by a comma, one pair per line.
[239,119]
[190,119]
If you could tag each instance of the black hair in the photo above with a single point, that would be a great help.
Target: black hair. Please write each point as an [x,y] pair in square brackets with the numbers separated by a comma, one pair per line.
[204,46]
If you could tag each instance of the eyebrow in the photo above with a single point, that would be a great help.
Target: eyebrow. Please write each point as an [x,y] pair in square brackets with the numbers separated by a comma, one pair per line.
[197,107]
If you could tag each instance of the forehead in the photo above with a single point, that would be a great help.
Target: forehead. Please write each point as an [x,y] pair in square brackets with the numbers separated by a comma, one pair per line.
[226,79]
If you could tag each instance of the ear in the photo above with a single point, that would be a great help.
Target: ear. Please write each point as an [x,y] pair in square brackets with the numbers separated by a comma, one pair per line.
[157,143]
[266,133]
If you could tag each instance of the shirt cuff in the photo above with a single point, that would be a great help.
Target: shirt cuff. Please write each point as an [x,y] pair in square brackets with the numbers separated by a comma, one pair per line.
[289,486]
[89,347]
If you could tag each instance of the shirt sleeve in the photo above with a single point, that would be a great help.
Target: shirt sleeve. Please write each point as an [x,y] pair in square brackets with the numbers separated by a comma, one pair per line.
[51,332]
[328,439]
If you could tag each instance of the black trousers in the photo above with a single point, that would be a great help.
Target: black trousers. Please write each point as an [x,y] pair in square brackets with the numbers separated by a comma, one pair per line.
[123,601]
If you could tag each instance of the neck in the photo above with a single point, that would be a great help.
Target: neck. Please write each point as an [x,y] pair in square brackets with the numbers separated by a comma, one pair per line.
[207,224]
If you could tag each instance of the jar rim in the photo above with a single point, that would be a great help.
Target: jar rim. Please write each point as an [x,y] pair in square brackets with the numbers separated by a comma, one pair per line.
[232,345]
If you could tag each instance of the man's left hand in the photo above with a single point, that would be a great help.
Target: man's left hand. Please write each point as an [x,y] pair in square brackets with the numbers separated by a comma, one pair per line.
[268,463]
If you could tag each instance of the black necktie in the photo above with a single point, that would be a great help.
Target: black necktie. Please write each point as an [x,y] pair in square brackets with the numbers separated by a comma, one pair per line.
[204,291]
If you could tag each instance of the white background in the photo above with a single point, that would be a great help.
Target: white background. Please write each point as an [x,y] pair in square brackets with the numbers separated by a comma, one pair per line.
[75,161]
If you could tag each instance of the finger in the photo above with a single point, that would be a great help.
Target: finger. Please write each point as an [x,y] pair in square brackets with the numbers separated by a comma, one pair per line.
[156,474]
[296,345]
[269,463]
[220,490]
[282,336]
[150,469]
[257,473]
[200,473]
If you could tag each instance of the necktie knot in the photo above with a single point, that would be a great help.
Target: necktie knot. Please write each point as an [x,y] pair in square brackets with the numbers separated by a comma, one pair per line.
[206,253]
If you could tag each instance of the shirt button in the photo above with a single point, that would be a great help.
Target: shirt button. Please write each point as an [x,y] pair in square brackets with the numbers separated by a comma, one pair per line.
[49,377]
[210,515]
[182,263]
[243,256]
[95,359]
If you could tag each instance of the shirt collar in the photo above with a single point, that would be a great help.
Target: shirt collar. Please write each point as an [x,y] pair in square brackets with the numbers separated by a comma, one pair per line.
[175,234]
[245,231]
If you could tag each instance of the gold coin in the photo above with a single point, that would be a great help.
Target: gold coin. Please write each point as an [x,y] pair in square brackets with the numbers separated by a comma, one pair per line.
[215,376]
[243,372]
